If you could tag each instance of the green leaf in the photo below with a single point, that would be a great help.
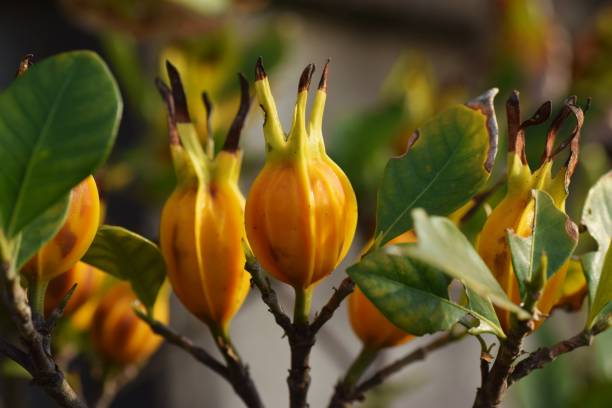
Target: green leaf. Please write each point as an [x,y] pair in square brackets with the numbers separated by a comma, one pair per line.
[483,310]
[597,212]
[57,124]
[41,230]
[597,216]
[442,245]
[411,294]
[448,163]
[553,234]
[131,257]
[601,309]
[520,251]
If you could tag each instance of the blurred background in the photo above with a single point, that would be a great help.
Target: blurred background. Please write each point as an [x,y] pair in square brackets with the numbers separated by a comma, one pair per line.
[395,63]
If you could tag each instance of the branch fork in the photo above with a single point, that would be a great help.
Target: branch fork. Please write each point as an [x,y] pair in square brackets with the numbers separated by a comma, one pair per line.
[301,335]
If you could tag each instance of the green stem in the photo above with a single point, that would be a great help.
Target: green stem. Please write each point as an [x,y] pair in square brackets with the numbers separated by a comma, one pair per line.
[224,342]
[38,289]
[365,358]
[303,301]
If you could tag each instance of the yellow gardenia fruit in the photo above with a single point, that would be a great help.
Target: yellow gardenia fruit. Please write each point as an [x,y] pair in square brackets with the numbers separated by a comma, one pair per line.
[202,223]
[120,336]
[516,210]
[373,329]
[88,280]
[301,211]
[73,239]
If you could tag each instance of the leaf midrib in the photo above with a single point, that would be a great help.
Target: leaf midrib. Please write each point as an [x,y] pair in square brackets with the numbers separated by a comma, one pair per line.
[43,134]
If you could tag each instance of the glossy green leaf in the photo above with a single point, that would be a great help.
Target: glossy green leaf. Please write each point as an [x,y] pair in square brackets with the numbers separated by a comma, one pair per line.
[442,245]
[41,230]
[448,163]
[411,294]
[597,216]
[57,125]
[553,234]
[601,309]
[131,257]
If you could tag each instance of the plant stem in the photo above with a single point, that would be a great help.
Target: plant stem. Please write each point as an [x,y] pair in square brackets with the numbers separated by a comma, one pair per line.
[544,355]
[300,333]
[40,363]
[238,372]
[344,396]
[303,302]
[346,386]
[301,341]
[495,382]
[364,359]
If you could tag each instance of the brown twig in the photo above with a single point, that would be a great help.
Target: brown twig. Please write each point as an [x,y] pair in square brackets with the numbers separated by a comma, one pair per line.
[544,355]
[235,372]
[495,382]
[239,375]
[493,389]
[344,396]
[268,294]
[184,343]
[327,312]
[301,335]
[36,339]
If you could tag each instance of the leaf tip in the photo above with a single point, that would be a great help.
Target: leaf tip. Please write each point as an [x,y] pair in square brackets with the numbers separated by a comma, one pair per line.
[484,104]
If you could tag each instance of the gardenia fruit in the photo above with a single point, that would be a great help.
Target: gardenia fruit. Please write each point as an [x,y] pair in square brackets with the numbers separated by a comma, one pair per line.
[202,223]
[118,334]
[301,212]
[74,238]
[516,210]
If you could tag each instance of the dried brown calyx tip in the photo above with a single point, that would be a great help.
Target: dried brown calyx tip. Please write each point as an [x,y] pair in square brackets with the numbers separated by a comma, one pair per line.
[208,106]
[516,128]
[24,64]
[323,81]
[513,113]
[178,93]
[166,95]
[305,78]
[260,72]
[568,108]
[539,117]
[233,135]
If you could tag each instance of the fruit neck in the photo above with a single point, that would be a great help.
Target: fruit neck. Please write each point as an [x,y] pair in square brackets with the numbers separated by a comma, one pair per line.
[363,361]
[226,167]
[303,301]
